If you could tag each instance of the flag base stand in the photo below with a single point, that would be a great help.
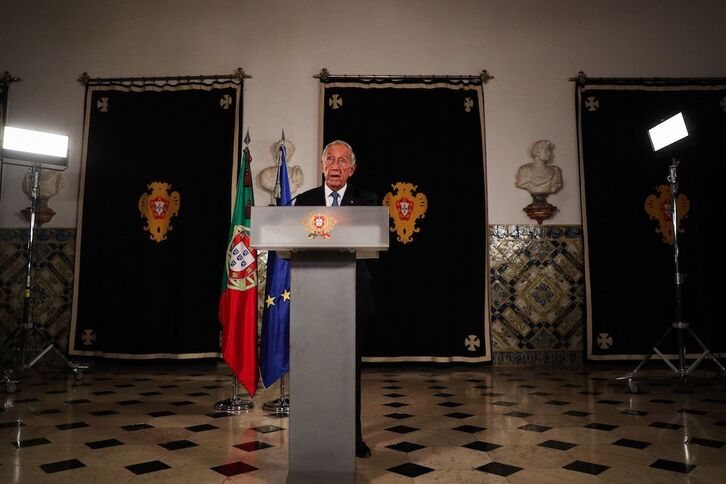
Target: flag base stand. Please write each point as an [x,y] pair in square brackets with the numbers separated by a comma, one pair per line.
[234,403]
[280,406]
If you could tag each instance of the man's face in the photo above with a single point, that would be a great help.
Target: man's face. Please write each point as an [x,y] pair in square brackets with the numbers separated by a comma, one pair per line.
[337,166]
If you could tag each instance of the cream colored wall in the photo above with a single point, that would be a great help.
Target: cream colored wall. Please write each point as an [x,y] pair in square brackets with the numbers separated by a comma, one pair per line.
[530,46]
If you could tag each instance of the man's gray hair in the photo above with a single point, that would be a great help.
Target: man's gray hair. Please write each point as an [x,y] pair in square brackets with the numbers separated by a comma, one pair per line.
[339,142]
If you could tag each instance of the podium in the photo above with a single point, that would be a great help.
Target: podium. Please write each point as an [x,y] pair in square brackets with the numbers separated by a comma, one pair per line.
[323,244]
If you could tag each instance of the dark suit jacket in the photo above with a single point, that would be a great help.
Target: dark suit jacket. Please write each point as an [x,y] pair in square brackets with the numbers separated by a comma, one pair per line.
[353,196]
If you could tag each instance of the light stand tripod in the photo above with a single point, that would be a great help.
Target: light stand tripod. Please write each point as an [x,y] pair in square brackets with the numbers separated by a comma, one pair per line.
[679,325]
[27,338]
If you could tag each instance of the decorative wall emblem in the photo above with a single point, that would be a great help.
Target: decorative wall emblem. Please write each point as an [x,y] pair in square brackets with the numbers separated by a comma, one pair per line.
[592,104]
[604,341]
[88,337]
[468,104]
[158,207]
[241,261]
[319,224]
[472,342]
[405,209]
[102,104]
[225,101]
[335,101]
[659,208]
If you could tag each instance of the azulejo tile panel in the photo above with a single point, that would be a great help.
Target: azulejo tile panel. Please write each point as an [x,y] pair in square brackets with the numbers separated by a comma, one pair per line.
[537,294]
[52,281]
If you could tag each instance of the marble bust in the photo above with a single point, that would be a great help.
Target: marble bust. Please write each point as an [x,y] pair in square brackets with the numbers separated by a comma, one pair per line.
[539,177]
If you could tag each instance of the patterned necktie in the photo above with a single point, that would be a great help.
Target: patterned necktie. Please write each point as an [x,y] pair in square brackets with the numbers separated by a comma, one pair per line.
[335,196]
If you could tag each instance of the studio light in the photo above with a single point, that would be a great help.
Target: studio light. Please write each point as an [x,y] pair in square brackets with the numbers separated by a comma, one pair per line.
[28,147]
[668,132]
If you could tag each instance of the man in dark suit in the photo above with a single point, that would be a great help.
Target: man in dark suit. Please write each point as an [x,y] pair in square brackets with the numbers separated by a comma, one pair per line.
[338,164]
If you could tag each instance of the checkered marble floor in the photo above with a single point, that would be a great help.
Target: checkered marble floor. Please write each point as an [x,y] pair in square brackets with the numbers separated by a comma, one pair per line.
[455,424]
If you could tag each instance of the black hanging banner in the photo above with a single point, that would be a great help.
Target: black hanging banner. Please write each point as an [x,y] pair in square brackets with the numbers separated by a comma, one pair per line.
[419,145]
[630,275]
[159,160]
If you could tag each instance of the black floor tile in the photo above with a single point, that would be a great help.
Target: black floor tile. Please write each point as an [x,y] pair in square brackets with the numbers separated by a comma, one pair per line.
[665,425]
[716,444]
[450,404]
[601,426]
[576,413]
[103,413]
[161,413]
[662,400]
[399,416]
[168,386]
[499,469]
[124,385]
[610,402]
[102,444]
[691,411]
[178,444]
[402,429]
[482,446]
[534,428]
[253,446]
[714,400]
[78,401]
[392,387]
[49,411]
[198,394]
[443,395]
[396,404]
[27,400]
[22,444]
[146,467]
[557,444]
[469,429]
[103,392]
[637,413]
[129,402]
[541,394]
[406,447]
[201,428]
[673,466]
[181,403]
[150,394]
[266,429]
[633,444]
[492,394]
[518,414]
[586,467]
[73,425]
[458,415]
[437,387]
[135,427]
[394,395]
[410,470]
[219,414]
[234,469]
[502,403]
[64,465]
[557,402]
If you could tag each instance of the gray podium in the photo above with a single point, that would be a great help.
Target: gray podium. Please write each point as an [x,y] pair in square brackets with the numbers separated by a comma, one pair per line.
[323,244]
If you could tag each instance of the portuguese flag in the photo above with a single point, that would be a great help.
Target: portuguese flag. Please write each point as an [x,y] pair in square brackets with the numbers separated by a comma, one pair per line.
[238,304]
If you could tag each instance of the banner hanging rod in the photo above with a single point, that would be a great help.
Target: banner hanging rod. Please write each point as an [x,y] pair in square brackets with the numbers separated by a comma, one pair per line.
[238,74]
[581,79]
[8,78]
[483,76]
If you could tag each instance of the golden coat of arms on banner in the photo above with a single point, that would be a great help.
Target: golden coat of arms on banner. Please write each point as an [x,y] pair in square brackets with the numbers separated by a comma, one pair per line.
[659,208]
[241,260]
[319,224]
[405,209]
[158,207]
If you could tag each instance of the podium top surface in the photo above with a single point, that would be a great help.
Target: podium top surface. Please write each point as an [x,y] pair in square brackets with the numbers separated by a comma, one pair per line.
[319,228]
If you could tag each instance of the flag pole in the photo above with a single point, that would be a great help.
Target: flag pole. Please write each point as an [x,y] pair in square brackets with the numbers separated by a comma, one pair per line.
[234,403]
[280,406]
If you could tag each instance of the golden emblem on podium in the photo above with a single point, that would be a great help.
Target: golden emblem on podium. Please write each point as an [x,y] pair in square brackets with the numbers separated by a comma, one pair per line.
[659,208]
[158,207]
[405,209]
[319,224]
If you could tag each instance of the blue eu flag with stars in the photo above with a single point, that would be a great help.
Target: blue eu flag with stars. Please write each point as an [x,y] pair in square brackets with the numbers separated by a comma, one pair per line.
[275,340]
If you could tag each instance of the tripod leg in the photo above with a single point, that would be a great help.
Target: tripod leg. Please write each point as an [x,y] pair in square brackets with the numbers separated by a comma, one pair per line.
[653,351]
[706,354]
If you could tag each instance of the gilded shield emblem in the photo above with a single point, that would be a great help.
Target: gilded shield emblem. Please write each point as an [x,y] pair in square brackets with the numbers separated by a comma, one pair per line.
[158,207]
[241,260]
[405,209]
[319,224]
[659,208]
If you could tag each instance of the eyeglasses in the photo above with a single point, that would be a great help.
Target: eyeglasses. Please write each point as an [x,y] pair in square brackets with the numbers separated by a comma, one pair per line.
[342,161]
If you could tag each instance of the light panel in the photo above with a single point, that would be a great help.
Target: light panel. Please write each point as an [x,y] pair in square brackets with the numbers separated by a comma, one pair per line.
[35,142]
[668,132]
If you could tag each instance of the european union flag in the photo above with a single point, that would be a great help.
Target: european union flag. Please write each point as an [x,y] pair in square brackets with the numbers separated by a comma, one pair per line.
[275,340]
